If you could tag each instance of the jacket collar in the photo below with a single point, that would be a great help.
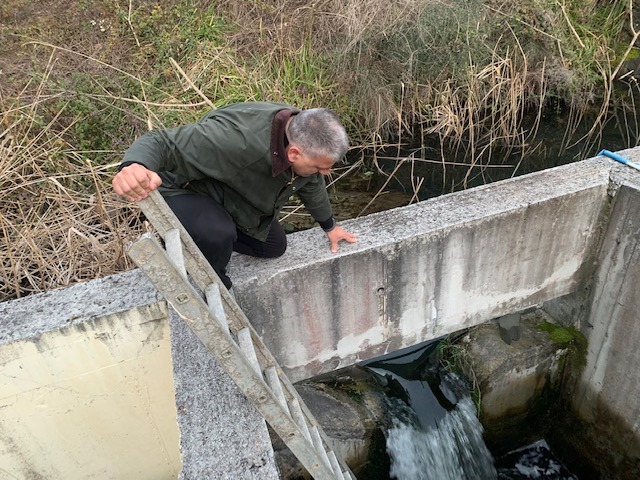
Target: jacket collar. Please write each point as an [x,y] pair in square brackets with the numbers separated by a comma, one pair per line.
[279,142]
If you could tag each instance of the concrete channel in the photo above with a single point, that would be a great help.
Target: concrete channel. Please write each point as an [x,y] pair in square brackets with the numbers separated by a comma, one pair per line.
[100,380]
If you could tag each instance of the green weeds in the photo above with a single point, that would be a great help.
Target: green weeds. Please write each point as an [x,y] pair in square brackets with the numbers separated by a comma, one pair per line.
[455,358]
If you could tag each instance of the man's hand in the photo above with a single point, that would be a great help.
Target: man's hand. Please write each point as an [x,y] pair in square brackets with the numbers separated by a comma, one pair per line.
[134,182]
[338,233]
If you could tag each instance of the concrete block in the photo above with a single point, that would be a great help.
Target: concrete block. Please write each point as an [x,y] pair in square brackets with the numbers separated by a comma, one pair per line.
[509,327]
[422,271]
[99,380]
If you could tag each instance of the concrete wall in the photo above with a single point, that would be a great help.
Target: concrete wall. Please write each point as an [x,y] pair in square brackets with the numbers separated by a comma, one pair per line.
[426,270]
[86,389]
[607,394]
[93,386]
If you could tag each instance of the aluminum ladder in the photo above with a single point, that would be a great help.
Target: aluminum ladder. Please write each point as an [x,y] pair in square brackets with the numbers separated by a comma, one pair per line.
[191,286]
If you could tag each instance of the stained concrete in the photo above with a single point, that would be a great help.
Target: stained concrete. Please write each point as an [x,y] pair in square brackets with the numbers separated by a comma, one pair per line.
[426,270]
[86,384]
[606,397]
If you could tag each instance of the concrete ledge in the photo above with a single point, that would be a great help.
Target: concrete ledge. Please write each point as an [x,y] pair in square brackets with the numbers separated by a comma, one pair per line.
[426,270]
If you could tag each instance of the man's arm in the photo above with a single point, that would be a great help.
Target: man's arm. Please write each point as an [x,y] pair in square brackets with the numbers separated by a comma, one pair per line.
[177,150]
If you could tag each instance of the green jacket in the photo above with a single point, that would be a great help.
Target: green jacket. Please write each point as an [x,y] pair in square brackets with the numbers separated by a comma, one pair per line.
[228,156]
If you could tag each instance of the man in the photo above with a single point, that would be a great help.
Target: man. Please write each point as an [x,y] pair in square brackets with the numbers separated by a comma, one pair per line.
[227,176]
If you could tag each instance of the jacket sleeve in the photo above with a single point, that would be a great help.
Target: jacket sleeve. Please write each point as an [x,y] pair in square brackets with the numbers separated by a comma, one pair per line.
[315,198]
[191,151]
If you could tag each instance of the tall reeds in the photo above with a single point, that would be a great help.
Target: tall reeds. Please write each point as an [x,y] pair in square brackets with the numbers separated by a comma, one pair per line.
[460,81]
[58,223]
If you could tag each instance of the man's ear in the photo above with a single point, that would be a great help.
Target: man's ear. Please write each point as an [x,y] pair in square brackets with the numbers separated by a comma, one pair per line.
[294,153]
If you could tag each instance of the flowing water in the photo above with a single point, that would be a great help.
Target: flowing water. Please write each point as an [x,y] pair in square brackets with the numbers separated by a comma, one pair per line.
[451,450]
[533,461]
[433,431]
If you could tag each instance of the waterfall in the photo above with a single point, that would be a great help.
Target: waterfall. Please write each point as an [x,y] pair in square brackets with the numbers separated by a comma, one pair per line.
[452,449]
[433,432]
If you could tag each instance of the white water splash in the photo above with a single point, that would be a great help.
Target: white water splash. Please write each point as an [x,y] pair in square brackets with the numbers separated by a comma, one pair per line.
[535,461]
[454,450]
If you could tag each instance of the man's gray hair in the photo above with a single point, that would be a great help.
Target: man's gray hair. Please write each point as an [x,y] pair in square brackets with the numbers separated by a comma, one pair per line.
[318,132]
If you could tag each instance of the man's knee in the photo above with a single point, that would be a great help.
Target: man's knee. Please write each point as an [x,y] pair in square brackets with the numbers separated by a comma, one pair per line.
[217,235]
[276,249]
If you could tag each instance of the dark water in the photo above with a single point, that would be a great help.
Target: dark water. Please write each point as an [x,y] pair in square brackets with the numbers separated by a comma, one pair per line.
[559,139]
[434,433]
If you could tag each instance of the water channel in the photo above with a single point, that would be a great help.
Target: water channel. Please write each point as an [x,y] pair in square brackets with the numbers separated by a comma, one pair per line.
[435,433]
[551,142]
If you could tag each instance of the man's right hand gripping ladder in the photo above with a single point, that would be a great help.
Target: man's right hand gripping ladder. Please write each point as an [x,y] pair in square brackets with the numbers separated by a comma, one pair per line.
[213,314]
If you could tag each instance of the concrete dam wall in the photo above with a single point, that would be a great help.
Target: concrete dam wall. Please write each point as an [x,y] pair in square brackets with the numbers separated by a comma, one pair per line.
[93,377]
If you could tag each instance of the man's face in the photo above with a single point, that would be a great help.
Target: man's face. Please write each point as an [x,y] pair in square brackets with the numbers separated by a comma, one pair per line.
[305,165]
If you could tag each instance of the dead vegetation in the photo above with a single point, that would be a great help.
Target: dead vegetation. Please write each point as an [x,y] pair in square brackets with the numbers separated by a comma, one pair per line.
[58,222]
[80,80]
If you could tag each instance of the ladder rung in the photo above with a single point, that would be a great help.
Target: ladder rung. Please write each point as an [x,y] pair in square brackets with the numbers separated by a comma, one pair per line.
[337,469]
[214,300]
[318,445]
[299,418]
[246,345]
[173,244]
[271,376]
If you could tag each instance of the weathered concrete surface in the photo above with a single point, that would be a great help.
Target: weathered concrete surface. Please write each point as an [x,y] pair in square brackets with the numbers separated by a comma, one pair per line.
[222,436]
[518,381]
[426,270]
[607,396]
[87,391]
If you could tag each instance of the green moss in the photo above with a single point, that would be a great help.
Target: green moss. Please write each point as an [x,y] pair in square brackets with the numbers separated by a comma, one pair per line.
[569,338]
[563,336]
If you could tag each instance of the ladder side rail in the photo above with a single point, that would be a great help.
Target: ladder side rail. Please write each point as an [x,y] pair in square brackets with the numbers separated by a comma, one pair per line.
[308,415]
[305,418]
[188,303]
[160,215]
[268,361]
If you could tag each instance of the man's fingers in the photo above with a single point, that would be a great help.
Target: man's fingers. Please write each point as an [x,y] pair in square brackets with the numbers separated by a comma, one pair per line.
[337,234]
[134,182]
[154,180]
[351,238]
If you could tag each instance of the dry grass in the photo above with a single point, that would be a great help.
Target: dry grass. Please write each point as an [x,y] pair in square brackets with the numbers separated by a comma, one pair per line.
[465,74]
[55,229]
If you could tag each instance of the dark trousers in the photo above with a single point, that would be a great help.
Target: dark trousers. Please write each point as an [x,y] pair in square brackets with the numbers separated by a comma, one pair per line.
[215,232]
